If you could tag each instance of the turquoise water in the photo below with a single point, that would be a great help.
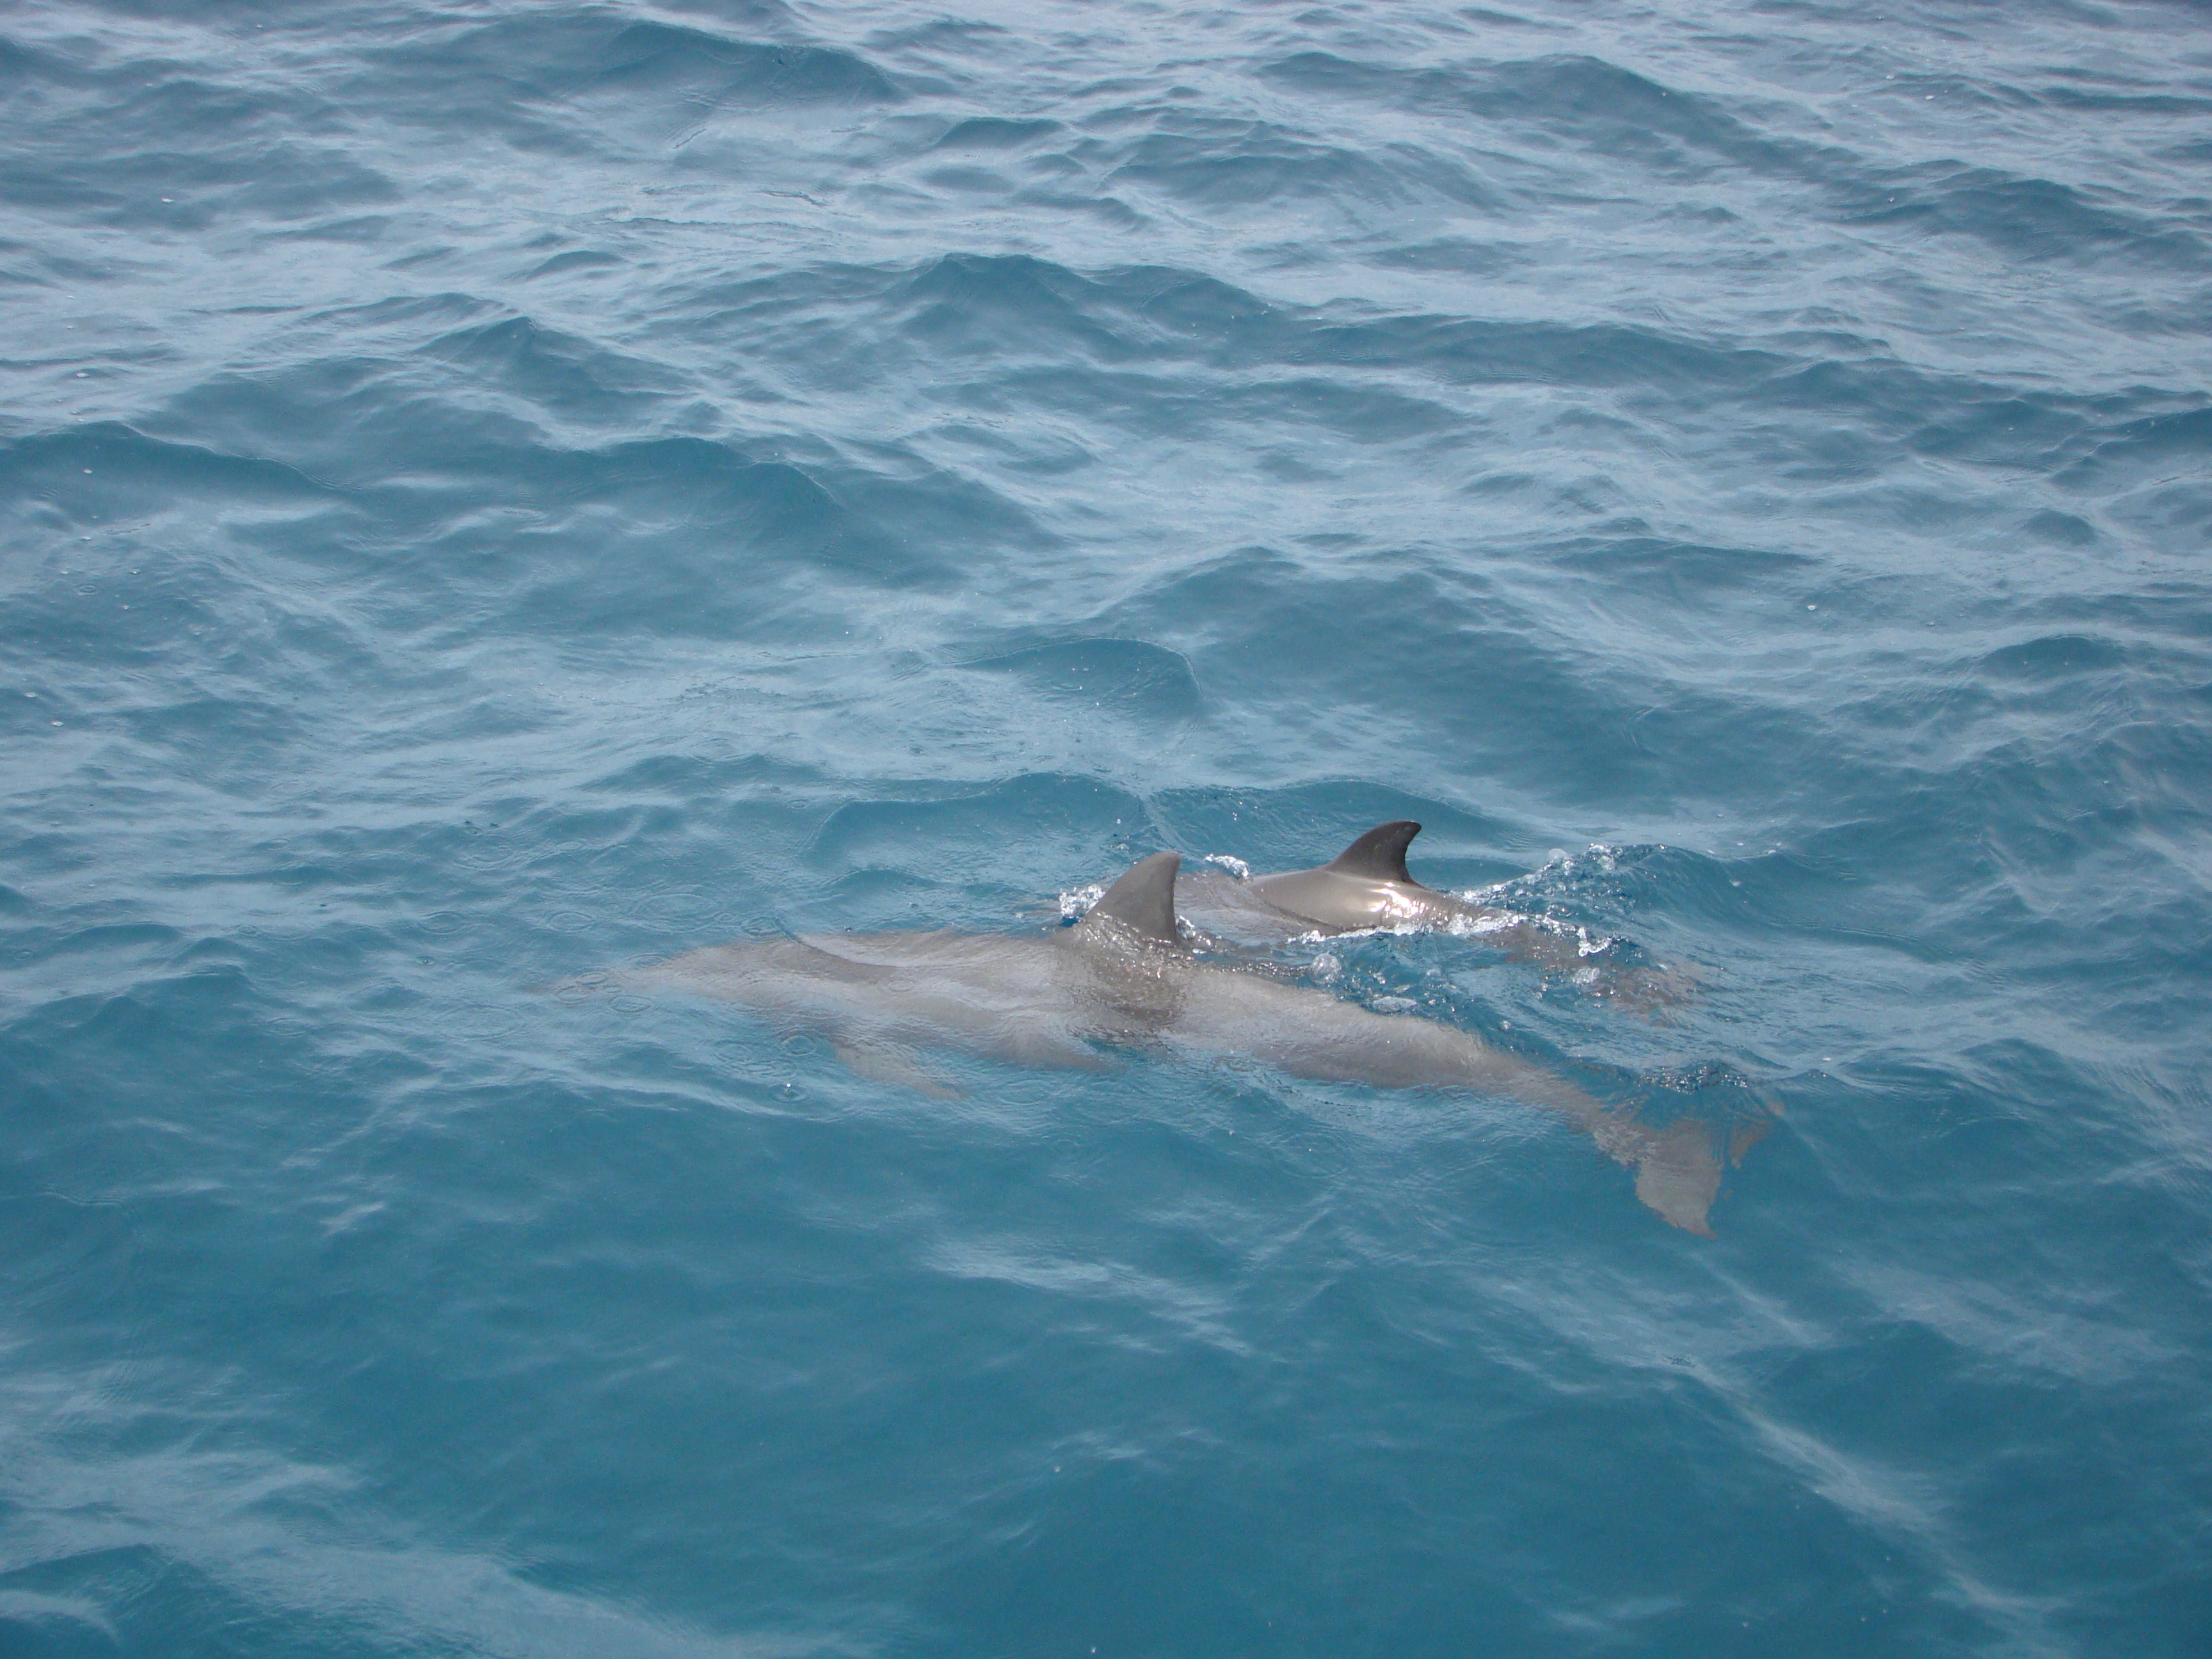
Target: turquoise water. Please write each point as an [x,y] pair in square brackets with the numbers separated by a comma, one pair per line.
[495,494]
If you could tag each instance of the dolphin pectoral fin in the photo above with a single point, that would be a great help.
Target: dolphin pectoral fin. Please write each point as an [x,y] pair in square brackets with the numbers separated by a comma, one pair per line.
[824,959]
[890,1062]
[1063,1052]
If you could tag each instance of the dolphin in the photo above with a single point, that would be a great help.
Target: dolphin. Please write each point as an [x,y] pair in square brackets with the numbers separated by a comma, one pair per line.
[1125,978]
[1367,886]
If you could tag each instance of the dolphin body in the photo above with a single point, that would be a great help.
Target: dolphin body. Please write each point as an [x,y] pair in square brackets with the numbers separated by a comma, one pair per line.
[1367,886]
[1124,978]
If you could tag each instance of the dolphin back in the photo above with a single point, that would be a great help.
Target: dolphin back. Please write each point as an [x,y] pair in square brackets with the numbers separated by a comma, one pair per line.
[1366,886]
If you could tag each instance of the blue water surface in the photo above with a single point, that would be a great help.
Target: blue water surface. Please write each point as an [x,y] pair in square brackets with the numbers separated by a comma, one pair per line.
[496,492]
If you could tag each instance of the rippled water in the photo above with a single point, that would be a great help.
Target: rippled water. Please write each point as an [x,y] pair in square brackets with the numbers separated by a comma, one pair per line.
[497,493]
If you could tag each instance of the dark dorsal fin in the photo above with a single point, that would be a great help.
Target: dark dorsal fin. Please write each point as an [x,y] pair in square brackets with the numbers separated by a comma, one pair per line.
[1143,901]
[1380,854]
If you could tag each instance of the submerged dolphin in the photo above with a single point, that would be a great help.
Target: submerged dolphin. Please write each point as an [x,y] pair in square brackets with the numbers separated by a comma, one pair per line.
[1124,978]
[1367,886]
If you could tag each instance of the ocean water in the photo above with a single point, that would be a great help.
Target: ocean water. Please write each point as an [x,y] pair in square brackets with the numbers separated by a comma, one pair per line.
[495,493]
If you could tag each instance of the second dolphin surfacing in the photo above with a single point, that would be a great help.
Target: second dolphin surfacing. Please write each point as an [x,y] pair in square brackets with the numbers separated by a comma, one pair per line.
[1368,886]
[1123,978]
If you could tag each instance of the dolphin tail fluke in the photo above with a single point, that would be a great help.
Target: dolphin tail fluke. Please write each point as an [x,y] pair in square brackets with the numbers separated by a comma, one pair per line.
[1380,854]
[1678,1167]
[1748,1136]
[1679,1176]
[1143,901]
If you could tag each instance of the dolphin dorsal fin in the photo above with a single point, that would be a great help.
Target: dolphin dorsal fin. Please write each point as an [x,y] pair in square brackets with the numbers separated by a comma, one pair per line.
[1143,901]
[1380,854]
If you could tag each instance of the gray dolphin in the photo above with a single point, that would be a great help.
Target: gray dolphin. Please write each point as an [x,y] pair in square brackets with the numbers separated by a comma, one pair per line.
[1367,886]
[1124,978]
